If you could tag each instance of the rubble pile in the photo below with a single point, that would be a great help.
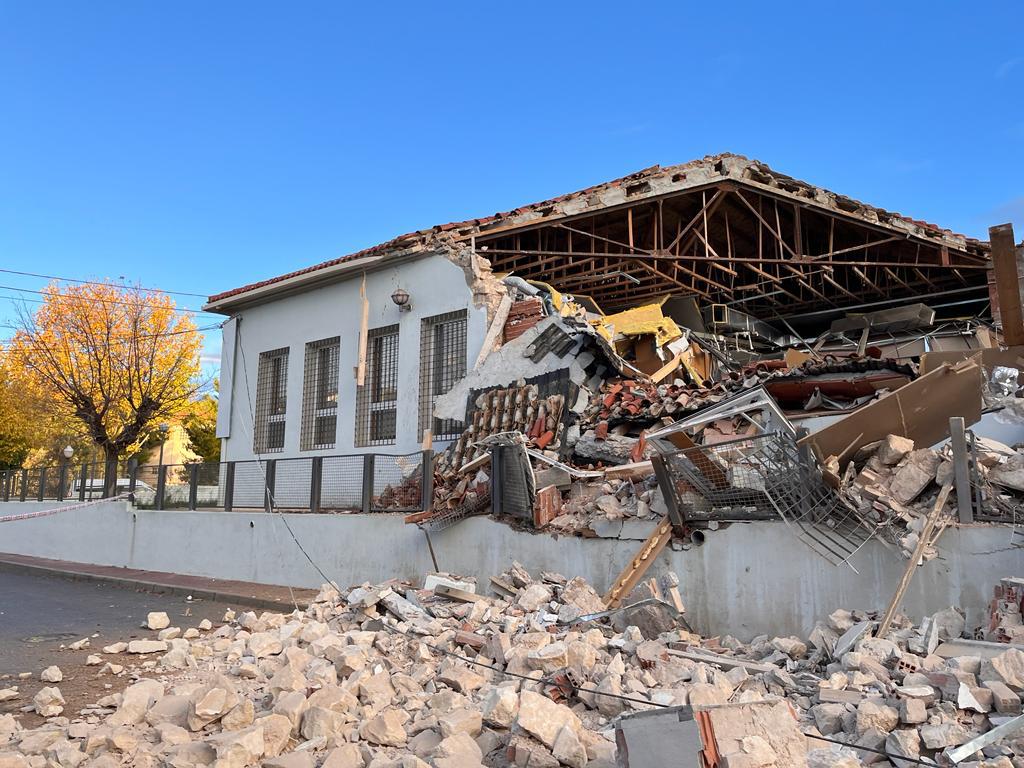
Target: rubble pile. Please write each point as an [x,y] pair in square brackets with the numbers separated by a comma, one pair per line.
[843,379]
[538,674]
[592,398]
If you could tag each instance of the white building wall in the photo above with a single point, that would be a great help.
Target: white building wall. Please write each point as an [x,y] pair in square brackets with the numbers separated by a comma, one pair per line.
[435,286]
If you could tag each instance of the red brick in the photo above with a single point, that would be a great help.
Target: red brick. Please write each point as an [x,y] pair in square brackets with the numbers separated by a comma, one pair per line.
[547,506]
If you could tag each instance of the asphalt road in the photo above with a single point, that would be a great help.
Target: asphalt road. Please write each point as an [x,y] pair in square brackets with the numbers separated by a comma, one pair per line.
[39,613]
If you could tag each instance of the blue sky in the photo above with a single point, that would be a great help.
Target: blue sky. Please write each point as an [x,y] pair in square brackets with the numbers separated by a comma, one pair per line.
[199,146]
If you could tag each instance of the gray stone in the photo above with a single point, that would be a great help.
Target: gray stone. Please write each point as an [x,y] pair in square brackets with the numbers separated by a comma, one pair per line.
[48,701]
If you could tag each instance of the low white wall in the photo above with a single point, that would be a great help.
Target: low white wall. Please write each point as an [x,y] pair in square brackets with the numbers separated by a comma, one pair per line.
[745,580]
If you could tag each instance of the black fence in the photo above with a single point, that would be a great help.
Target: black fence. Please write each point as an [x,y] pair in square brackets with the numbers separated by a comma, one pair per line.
[366,482]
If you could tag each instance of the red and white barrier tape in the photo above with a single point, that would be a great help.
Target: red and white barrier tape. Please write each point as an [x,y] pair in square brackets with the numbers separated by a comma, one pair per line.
[58,510]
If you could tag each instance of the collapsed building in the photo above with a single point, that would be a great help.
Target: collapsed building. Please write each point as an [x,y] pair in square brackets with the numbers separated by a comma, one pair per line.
[650,360]
[673,351]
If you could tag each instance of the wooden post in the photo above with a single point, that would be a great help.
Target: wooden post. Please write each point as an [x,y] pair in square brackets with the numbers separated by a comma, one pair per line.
[193,486]
[368,478]
[1008,287]
[161,485]
[315,483]
[961,469]
[229,486]
[908,574]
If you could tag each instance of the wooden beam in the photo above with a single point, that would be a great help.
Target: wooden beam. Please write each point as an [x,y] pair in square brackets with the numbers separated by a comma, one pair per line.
[1008,287]
[853,248]
[714,263]
[737,259]
[606,239]
[908,574]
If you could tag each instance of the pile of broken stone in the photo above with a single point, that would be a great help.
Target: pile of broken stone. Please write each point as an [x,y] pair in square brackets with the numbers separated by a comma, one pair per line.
[537,674]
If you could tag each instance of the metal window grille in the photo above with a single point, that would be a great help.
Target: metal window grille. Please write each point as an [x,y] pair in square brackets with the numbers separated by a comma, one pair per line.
[271,401]
[377,399]
[320,395]
[442,363]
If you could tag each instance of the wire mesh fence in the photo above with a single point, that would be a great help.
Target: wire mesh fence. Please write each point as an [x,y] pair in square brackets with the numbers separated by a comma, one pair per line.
[342,483]
[761,477]
[397,482]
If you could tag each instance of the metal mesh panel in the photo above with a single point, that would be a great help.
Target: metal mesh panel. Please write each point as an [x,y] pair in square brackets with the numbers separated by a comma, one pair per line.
[52,484]
[751,477]
[292,482]
[249,486]
[93,485]
[341,483]
[271,401]
[397,483]
[145,486]
[176,489]
[32,483]
[442,363]
[210,486]
[320,395]
[377,399]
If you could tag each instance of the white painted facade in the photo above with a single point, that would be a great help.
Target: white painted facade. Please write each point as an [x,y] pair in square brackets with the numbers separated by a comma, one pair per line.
[436,286]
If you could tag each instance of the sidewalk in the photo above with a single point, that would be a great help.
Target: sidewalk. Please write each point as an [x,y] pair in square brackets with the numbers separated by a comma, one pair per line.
[265,596]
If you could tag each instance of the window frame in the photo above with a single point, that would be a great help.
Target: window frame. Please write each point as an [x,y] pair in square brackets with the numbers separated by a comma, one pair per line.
[443,362]
[321,375]
[379,393]
[271,400]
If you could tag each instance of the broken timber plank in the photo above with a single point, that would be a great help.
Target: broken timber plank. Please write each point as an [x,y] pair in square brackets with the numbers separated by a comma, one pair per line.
[503,587]
[495,329]
[364,324]
[915,558]
[474,464]
[721,660]
[997,734]
[634,572]
[419,517]
[460,595]
[637,470]
[704,463]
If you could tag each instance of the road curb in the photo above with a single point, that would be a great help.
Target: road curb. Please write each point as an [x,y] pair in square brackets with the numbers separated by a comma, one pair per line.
[156,587]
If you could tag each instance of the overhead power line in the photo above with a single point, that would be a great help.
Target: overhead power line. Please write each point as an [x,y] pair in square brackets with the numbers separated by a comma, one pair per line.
[98,282]
[37,346]
[185,310]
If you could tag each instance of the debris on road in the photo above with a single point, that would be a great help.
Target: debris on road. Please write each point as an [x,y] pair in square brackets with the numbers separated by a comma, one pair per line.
[536,673]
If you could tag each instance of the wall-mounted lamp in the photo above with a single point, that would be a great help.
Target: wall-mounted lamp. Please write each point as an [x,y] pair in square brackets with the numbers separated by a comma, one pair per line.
[401,299]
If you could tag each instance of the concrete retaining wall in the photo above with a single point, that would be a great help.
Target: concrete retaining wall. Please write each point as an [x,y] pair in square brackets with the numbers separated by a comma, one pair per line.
[746,579]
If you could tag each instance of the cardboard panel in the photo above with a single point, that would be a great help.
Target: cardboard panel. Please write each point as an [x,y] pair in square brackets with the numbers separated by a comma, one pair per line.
[1011,357]
[920,411]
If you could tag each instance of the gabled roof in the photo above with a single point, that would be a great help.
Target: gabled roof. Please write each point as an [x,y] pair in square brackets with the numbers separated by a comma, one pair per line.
[653,182]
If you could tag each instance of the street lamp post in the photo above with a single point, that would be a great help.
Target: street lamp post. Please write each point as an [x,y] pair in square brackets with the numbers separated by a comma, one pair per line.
[164,428]
[67,453]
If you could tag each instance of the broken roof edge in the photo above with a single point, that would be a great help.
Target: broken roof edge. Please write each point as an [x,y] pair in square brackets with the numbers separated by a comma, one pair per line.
[648,183]
[336,270]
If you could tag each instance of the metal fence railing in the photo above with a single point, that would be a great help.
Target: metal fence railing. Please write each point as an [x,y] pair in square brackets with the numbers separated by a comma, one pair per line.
[761,476]
[368,482]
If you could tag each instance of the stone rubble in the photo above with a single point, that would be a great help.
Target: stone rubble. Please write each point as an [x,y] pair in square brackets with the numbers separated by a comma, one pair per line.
[361,679]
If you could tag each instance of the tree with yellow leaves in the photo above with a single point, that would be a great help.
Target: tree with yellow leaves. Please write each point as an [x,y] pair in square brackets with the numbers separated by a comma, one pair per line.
[117,359]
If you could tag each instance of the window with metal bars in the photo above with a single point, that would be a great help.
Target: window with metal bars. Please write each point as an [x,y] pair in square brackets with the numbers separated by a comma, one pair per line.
[442,363]
[271,401]
[377,399]
[320,395]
